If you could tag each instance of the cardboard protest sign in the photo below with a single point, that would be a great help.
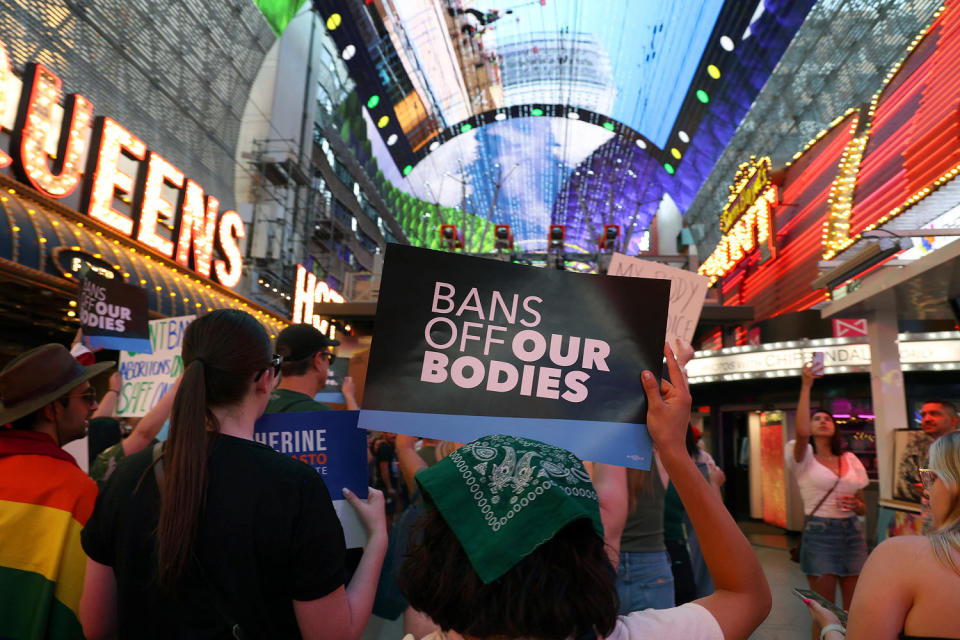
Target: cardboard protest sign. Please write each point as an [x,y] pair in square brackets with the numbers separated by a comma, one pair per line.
[331,443]
[147,376]
[688,290]
[113,314]
[465,347]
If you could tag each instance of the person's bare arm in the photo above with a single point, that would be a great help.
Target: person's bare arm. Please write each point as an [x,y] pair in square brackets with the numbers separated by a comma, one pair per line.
[98,604]
[109,400]
[742,598]
[150,424]
[349,391]
[803,413]
[610,483]
[409,460]
[343,614]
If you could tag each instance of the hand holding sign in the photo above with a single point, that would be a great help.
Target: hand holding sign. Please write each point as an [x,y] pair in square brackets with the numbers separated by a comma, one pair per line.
[371,513]
[668,408]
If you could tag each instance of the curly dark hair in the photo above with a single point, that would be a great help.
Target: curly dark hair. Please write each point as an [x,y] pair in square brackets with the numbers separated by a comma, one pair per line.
[565,588]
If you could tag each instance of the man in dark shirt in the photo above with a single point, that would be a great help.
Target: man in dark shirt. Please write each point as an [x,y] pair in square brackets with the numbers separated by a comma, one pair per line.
[307,357]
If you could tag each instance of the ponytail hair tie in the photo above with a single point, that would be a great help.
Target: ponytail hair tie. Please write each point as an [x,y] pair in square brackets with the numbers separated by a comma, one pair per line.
[201,361]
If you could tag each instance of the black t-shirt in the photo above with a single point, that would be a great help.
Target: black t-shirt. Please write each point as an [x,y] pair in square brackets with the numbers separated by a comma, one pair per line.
[385,453]
[269,535]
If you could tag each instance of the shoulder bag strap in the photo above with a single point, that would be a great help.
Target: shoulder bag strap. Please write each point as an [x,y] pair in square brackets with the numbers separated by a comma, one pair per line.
[819,504]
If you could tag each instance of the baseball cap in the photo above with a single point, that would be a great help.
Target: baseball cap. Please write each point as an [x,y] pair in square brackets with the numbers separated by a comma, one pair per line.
[299,341]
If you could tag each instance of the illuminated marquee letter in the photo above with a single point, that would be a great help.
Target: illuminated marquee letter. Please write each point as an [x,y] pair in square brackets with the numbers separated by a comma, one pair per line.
[39,98]
[154,208]
[5,74]
[109,142]
[303,296]
[230,231]
[198,225]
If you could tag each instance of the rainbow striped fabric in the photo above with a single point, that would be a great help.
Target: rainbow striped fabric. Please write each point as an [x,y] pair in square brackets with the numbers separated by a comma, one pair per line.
[45,499]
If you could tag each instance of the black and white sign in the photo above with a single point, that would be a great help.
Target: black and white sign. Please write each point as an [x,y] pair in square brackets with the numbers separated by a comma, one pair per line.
[114,314]
[465,347]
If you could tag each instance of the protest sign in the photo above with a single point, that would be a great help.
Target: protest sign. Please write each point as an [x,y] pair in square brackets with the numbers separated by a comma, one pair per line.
[331,443]
[465,347]
[688,290]
[147,376]
[113,314]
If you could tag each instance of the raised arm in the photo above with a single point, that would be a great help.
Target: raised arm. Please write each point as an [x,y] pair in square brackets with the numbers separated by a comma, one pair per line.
[742,597]
[409,460]
[349,391]
[150,424]
[803,413]
[109,400]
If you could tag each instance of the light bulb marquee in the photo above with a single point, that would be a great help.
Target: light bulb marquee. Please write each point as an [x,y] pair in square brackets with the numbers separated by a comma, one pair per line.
[901,148]
[746,220]
[308,292]
[187,229]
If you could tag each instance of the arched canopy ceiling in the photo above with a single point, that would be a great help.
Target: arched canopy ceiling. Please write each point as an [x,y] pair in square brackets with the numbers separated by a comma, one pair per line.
[575,112]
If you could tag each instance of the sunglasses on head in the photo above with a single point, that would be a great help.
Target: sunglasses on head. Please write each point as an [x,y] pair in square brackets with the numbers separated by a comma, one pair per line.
[927,477]
[275,362]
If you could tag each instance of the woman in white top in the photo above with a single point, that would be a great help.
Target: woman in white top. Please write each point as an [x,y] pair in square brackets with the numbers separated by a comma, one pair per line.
[834,547]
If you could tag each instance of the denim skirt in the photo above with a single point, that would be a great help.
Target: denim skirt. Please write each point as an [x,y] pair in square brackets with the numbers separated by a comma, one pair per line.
[833,546]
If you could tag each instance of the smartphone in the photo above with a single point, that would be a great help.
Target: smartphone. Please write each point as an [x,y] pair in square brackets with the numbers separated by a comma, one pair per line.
[823,602]
[817,362]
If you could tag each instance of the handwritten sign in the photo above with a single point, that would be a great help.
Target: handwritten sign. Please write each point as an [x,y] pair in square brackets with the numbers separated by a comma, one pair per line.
[687,292]
[331,443]
[146,377]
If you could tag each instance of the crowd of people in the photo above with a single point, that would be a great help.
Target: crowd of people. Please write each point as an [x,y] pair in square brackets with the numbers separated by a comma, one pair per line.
[210,534]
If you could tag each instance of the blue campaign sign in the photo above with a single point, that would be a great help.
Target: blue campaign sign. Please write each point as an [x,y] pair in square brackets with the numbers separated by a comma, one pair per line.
[328,441]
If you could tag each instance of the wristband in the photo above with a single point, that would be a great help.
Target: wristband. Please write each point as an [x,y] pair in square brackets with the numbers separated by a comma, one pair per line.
[832,627]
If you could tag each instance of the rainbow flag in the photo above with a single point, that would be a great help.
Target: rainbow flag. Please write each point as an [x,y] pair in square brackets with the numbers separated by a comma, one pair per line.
[45,500]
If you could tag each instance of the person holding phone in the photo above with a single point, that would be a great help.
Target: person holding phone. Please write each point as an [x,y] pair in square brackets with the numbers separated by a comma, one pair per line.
[831,483]
[908,590]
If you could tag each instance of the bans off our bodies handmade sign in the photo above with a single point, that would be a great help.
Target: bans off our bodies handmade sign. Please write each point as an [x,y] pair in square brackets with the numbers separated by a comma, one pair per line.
[465,347]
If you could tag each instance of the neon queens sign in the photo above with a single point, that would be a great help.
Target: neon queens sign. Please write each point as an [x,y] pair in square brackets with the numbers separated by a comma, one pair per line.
[194,219]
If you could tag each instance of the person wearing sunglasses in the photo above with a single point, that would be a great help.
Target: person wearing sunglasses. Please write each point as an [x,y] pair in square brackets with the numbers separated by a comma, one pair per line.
[216,535]
[908,587]
[45,498]
[307,357]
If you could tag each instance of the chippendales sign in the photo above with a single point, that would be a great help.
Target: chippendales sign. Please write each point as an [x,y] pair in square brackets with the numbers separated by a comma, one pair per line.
[465,347]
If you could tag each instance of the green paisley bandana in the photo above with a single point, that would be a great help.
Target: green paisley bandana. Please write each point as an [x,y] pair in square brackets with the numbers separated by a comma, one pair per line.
[505,496]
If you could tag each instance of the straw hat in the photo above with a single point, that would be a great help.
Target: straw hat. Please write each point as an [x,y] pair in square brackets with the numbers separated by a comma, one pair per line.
[39,376]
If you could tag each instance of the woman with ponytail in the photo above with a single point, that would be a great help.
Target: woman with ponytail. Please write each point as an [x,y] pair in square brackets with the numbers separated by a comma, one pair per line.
[218,536]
